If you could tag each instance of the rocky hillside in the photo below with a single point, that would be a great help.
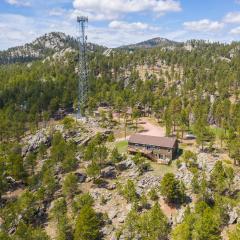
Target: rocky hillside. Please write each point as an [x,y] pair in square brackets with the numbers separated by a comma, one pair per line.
[77,166]
[154,42]
[42,47]
[62,179]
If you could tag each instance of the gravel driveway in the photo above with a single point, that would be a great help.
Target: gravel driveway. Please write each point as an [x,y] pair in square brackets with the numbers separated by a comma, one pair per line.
[151,129]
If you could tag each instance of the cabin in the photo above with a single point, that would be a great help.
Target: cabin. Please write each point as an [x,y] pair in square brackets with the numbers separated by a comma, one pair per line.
[159,149]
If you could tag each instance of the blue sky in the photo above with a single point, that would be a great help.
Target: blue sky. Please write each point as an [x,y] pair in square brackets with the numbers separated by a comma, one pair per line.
[117,22]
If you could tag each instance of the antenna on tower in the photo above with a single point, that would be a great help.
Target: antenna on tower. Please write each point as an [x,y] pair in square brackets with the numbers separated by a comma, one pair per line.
[82,66]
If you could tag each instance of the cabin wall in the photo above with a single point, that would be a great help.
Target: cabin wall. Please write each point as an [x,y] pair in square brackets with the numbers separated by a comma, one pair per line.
[159,152]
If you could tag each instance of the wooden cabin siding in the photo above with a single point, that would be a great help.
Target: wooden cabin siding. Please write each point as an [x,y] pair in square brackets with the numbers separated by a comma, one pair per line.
[154,151]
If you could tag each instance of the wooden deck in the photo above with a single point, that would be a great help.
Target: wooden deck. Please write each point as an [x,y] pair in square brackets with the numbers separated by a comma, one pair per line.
[149,155]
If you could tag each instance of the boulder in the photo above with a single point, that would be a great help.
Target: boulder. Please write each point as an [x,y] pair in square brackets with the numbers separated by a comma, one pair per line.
[236,182]
[12,230]
[121,219]
[109,172]
[133,173]
[96,194]
[147,182]
[107,230]
[233,215]
[112,214]
[10,180]
[206,161]
[123,214]
[185,175]
[124,165]
[111,186]
[127,235]
[33,142]
[81,177]
[180,216]
[13,184]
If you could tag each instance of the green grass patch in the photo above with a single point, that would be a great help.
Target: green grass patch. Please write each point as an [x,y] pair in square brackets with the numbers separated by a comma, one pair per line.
[217,131]
[227,161]
[122,146]
[161,170]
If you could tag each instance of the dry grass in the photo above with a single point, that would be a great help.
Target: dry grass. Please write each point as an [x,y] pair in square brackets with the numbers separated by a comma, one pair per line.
[161,170]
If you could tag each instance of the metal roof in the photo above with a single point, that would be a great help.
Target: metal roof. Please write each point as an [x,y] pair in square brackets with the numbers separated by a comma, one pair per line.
[165,142]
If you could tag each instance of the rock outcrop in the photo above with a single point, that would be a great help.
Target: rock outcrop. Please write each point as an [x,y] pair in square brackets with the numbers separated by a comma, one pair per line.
[183,174]
[32,142]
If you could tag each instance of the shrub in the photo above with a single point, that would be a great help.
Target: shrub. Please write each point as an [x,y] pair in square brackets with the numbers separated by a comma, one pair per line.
[129,191]
[111,137]
[153,194]
[82,200]
[116,156]
[93,170]
[70,185]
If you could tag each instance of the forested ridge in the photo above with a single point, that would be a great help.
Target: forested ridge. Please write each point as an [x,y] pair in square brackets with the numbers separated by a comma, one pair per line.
[186,91]
[199,82]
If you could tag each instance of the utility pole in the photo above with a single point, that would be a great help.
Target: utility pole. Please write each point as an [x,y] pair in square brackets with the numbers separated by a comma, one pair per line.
[82,66]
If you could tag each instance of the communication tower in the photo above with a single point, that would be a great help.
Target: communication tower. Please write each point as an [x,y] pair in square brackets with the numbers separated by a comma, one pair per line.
[82,66]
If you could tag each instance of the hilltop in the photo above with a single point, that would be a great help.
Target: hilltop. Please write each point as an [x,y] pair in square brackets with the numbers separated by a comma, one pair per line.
[42,47]
[154,42]
[58,43]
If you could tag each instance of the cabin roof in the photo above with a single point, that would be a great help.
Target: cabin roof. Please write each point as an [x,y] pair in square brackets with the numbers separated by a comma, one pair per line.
[165,142]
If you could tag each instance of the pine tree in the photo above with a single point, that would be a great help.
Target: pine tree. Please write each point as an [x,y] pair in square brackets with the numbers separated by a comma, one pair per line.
[87,225]
[172,189]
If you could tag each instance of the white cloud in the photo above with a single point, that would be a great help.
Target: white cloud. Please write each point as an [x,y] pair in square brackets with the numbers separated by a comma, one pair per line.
[178,35]
[16,30]
[121,25]
[57,12]
[122,33]
[204,25]
[19,3]
[109,9]
[232,17]
[235,31]
[91,15]
[112,37]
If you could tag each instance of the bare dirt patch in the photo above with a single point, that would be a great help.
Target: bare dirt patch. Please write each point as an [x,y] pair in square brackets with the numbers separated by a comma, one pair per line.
[13,194]
[51,230]
[169,211]
[151,128]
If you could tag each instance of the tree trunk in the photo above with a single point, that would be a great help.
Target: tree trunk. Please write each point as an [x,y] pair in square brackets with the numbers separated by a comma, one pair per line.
[125,126]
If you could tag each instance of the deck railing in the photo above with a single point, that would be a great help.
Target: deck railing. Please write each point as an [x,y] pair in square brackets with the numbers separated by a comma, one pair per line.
[148,154]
